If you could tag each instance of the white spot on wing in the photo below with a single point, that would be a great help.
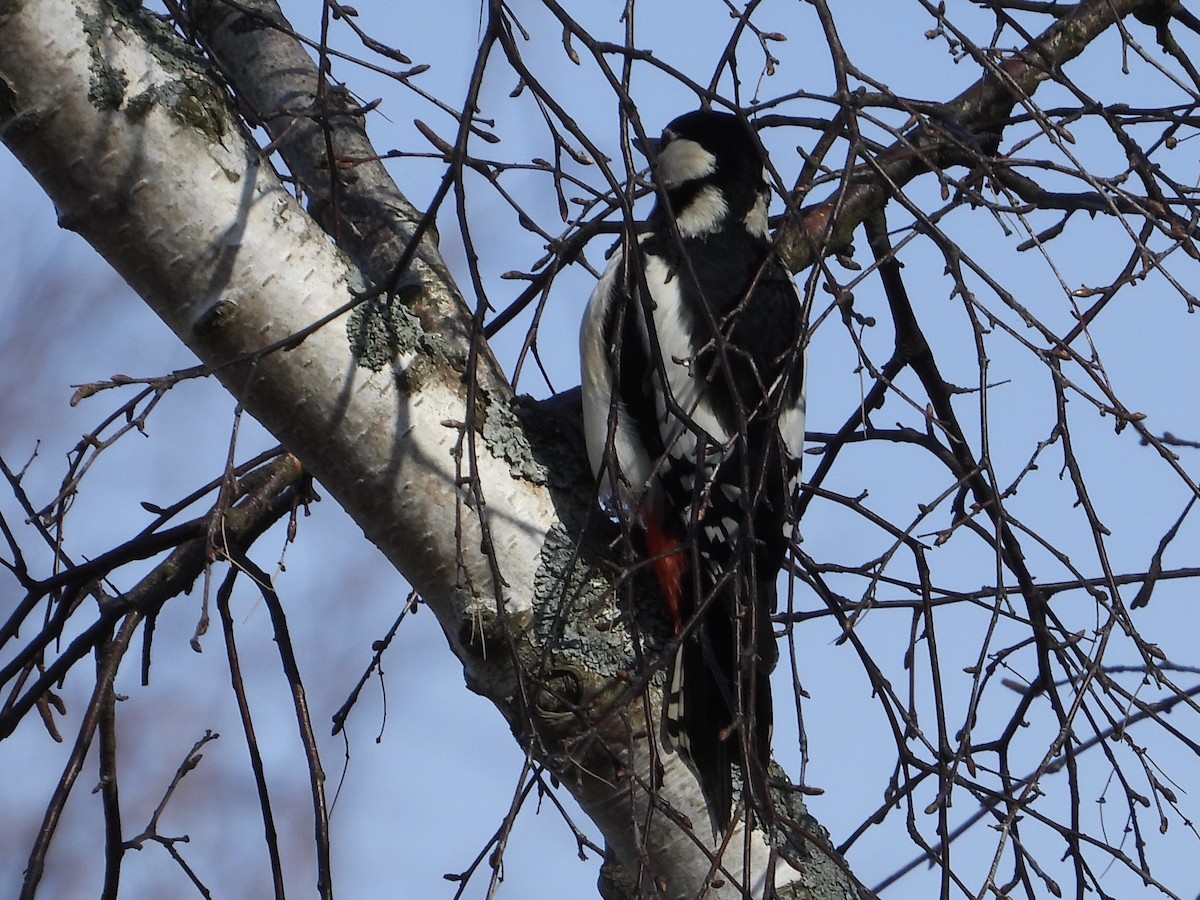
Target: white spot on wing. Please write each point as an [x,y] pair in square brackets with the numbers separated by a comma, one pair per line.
[791,419]
[791,430]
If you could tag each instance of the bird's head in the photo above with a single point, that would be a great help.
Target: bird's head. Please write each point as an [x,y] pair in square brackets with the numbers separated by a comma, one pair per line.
[711,169]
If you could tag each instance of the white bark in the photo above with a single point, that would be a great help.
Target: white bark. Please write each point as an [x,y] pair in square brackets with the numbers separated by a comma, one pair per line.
[168,189]
[141,156]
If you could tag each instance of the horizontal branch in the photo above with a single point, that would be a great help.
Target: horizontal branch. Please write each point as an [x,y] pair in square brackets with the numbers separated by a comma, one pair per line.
[958,133]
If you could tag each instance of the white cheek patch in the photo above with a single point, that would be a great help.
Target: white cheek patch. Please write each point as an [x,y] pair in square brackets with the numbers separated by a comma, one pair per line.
[683,160]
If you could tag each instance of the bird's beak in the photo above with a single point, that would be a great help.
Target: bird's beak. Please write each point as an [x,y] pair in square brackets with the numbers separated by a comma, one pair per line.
[648,148]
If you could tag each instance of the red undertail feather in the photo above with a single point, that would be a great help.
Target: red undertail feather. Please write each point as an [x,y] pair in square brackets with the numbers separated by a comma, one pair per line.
[670,566]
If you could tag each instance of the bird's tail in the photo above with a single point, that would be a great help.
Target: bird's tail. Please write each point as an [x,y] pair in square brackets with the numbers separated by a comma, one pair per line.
[718,710]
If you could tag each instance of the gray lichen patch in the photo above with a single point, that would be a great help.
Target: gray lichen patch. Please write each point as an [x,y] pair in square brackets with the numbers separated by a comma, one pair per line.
[504,434]
[383,332]
[168,48]
[554,430]
[110,84]
[194,101]
[577,615]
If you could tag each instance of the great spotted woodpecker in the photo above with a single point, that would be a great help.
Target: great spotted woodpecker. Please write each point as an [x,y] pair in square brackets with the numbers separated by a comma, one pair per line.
[693,397]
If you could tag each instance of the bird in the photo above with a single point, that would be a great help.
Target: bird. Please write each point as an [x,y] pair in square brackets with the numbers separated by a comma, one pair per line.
[692,358]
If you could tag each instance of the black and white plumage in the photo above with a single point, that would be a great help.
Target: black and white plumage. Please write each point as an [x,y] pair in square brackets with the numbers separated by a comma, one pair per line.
[692,355]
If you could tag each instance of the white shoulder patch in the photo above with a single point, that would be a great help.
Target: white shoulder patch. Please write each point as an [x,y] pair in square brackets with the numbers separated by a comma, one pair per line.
[756,219]
[674,327]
